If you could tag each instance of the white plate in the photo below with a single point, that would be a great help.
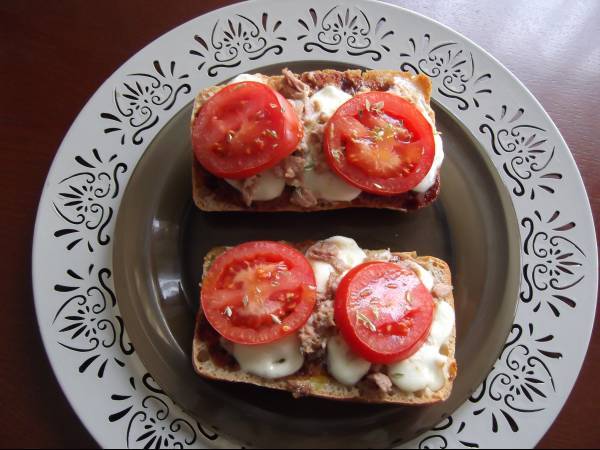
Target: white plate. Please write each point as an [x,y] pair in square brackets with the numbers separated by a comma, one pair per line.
[77,310]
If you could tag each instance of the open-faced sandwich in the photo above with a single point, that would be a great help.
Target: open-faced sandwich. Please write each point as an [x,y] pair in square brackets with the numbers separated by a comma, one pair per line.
[316,141]
[328,319]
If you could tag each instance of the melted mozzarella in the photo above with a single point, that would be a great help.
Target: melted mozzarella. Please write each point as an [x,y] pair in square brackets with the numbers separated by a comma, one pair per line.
[330,187]
[275,360]
[323,272]
[268,186]
[349,253]
[429,180]
[428,368]
[247,77]
[424,275]
[327,101]
[346,367]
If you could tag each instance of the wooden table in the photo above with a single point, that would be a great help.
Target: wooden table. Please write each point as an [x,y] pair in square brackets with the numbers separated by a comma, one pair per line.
[54,55]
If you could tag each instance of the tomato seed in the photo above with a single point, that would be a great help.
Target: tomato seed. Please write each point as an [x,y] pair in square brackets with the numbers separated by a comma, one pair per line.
[275,319]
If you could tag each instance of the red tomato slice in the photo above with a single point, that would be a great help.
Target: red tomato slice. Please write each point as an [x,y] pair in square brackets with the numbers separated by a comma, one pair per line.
[380,143]
[383,312]
[258,292]
[244,129]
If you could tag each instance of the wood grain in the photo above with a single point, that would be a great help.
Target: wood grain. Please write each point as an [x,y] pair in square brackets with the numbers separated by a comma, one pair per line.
[56,54]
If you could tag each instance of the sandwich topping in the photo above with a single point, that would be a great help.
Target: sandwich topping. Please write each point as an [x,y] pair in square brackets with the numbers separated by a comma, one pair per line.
[382,143]
[368,319]
[383,311]
[245,129]
[258,292]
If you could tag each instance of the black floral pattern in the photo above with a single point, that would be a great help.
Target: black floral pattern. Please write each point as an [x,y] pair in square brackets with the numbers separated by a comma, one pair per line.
[452,70]
[140,100]
[525,150]
[552,262]
[346,29]
[152,419]
[436,438]
[83,202]
[237,40]
[520,382]
[86,322]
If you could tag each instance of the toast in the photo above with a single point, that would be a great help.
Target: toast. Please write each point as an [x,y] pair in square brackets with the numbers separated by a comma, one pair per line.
[211,193]
[210,365]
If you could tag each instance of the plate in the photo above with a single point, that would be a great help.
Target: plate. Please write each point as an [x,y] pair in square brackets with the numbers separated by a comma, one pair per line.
[118,244]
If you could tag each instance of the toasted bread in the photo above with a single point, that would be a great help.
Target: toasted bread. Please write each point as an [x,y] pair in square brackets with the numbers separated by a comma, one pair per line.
[213,194]
[323,385]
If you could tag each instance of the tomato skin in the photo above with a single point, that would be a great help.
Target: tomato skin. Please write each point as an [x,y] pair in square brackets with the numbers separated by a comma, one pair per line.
[391,325]
[258,292]
[244,129]
[380,143]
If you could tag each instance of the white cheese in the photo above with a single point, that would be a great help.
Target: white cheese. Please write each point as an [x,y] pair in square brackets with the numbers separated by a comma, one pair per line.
[268,186]
[349,253]
[322,272]
[429,180]
[428,368]
[247,77]
[275,360]
[326,102]
[328,186]
[346,367]
[424,275]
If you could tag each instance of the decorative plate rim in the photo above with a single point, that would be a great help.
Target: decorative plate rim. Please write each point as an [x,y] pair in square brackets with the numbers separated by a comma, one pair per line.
[77,311]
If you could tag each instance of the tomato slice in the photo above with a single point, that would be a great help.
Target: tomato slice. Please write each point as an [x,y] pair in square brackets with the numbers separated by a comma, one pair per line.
[244,129]
[258,292]
[380,143]
[383,311]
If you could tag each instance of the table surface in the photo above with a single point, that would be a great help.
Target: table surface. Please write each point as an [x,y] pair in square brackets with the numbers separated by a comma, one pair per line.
[56,54]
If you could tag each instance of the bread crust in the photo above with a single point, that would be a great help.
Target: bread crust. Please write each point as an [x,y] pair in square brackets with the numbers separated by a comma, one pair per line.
[323,385]
[212,194]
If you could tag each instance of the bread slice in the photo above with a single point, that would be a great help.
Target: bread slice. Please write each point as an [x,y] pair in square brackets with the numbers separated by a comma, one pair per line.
[213,194]
[322,384]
